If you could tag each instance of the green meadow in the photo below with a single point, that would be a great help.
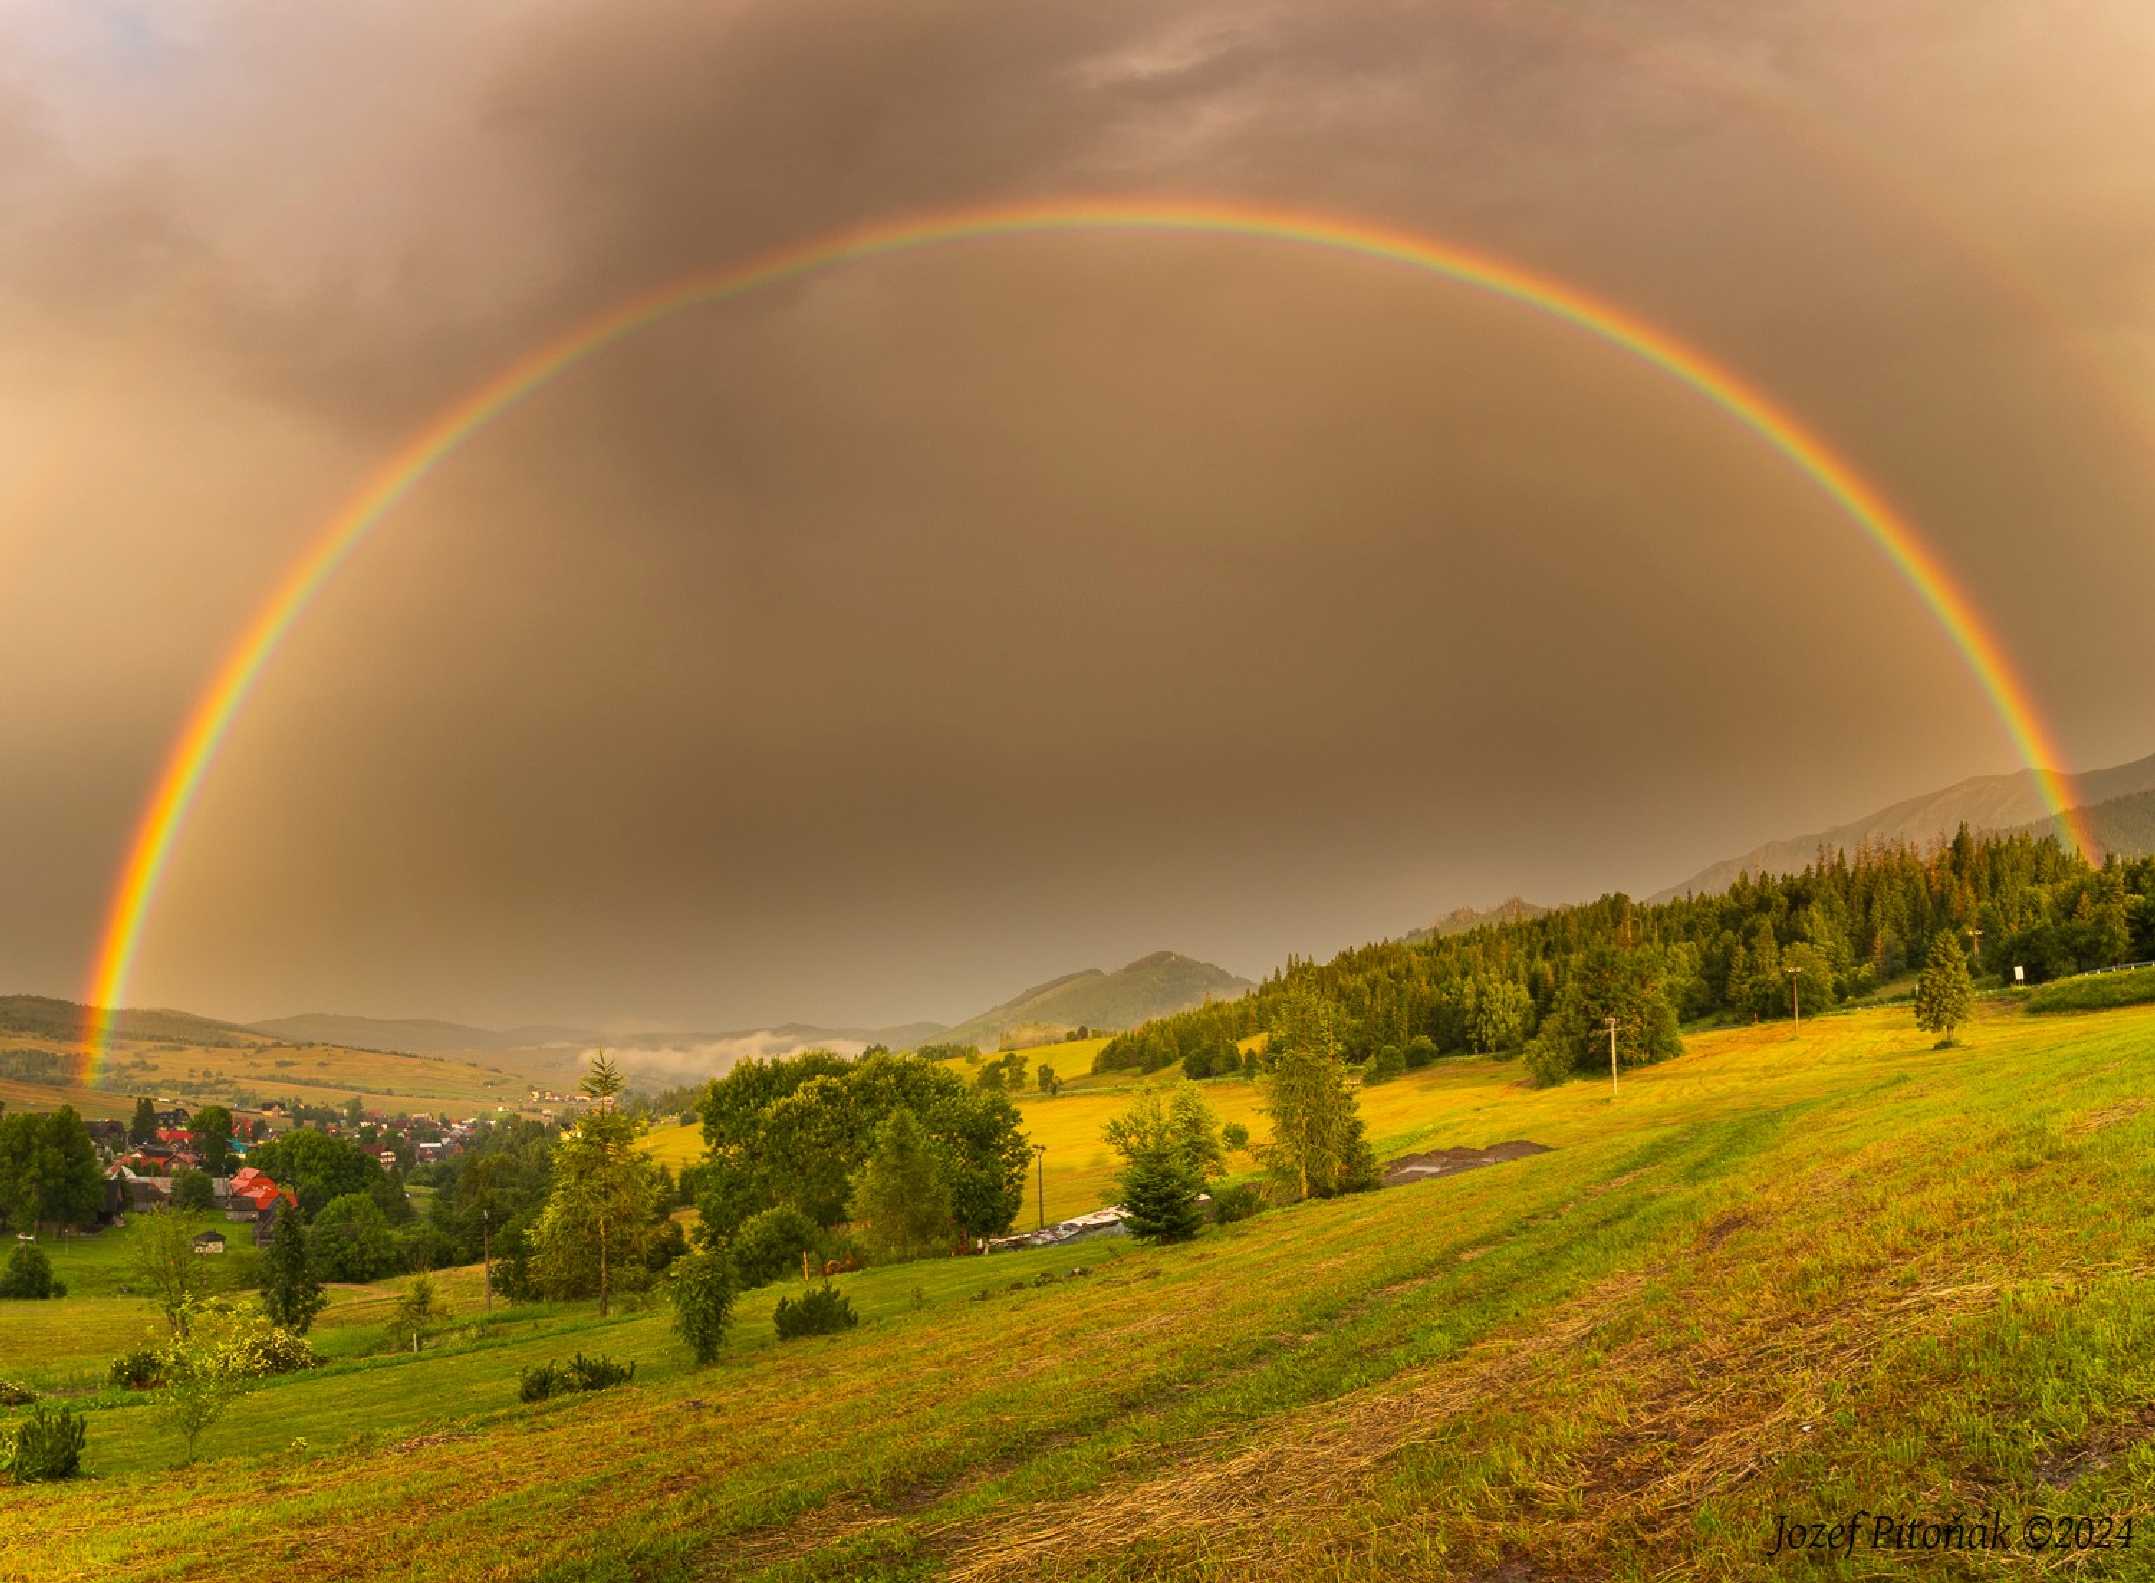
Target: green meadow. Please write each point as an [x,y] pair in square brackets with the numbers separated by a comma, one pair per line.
[1794,1274]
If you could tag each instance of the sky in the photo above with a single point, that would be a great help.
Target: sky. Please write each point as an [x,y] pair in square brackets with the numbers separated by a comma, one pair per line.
[870,647]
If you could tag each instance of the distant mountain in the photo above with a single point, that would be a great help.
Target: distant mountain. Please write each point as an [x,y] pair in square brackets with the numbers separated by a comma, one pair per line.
[1983,802]
[785,1037]
[413,1035]
[1152,986]
[1462,919]
[2123,825]
[48,1018]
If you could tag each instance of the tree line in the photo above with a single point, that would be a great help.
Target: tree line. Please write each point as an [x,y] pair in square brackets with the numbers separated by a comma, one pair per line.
[1844,926]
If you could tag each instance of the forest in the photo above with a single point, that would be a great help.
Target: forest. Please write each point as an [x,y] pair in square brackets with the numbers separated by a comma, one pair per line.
[1847,926]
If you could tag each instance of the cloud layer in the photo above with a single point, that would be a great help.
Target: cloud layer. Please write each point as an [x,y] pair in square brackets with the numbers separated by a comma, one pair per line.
[867,648]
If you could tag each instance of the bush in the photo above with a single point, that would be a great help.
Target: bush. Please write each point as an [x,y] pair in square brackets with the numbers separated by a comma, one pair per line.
[1421,1051]
[1548,1061]
[1230,1204]
[1385,1065]
[667,1246]
[702,1290]
[29,1274]
[138,1370]
[819,1311]
[770,1244]
[580,1373]
[597,1374]
[13,1395]
[44,1445]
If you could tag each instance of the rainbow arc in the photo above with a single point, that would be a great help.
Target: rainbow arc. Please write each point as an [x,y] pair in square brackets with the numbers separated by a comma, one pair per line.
[195,749]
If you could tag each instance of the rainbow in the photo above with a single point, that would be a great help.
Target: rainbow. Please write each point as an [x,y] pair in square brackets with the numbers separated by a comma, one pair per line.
[196,747]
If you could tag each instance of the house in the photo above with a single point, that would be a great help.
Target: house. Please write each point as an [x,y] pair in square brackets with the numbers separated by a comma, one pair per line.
[1113,1222]
[209,1242]
[144,1192]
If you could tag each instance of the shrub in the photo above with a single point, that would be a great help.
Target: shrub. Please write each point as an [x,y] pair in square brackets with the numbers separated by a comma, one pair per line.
[13,1395]
[1385,1065]
[819,1311]
[670,1243]
[771,1243]
[29,1274]
[1238,1202]
[1235,1136]
[44,1445]
[1548,1061]
[597,1374]
[1421,1051]
[138,1370]
[702,1290]
[580,1373]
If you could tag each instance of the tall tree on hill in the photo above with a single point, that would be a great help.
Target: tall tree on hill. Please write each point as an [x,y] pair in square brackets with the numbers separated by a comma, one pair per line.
[603,1082]
[212,1127]
[144,1127]
[1168,1148]
[351,1240]
[166,1264]
[1611,982]
[48,1170]
[603,1209]
[291,1296]
[1318,1149]
[1944,993]
[900,1192]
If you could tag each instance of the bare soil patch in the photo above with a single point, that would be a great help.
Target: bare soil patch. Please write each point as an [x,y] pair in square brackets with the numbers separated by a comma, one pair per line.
[1450,1162]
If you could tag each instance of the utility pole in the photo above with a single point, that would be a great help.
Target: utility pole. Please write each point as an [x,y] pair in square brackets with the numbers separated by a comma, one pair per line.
[1040,1158]
[1795,1001]
[1612,1059]
[486,1253]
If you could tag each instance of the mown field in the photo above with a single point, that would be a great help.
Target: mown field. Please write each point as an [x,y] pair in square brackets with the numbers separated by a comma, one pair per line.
[1796,1275]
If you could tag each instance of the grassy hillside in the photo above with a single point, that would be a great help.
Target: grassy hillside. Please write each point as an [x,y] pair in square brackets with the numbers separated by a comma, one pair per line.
[1784,1274]
[1152,986]
[256,1072]
[44,1017]
[416,1035]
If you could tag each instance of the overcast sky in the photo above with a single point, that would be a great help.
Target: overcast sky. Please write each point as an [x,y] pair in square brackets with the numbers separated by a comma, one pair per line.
[868,648]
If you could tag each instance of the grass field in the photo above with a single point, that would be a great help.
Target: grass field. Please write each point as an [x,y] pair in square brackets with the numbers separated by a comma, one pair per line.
[314,1074]
[1783,1274]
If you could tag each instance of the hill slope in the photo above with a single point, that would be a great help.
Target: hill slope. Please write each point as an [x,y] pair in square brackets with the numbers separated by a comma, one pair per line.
[2124,826]
[1781,1275]
[1152,986]
[416,1035]
[1982,802]
[1463,920]
[45,1017]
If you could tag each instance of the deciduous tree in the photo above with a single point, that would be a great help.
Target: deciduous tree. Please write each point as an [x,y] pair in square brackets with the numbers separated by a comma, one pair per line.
[1944,993]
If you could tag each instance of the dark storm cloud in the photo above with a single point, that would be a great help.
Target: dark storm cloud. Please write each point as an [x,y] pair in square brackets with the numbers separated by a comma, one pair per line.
[867,648]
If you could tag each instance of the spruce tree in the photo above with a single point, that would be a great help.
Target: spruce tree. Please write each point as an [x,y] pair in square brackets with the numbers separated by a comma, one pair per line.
[1159,1196]
[144,1127]
[902,1191]
[1944,993]
[291,1296]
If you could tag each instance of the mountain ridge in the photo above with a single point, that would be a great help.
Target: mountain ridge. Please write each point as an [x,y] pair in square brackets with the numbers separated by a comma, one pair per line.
[1151,986]
[1982,802]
